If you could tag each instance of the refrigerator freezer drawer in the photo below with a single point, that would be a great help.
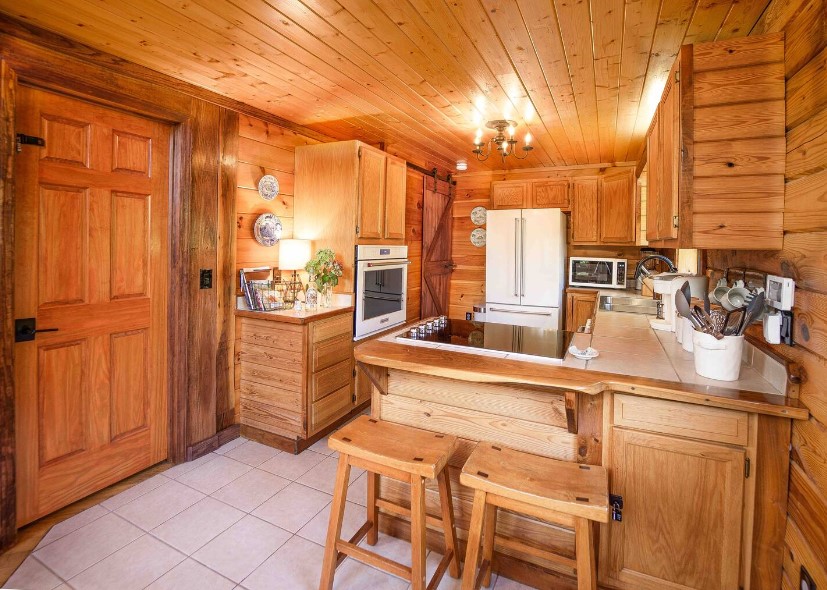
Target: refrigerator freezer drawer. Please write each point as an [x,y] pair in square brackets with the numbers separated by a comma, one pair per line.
[516,315]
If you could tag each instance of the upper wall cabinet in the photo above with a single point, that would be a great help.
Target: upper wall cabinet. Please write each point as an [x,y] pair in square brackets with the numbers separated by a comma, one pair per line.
[716,148]
[347,192]
[603,209]
[530,194]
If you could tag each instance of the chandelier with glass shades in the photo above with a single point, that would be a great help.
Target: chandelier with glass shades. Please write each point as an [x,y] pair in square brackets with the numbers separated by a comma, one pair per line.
[503,142]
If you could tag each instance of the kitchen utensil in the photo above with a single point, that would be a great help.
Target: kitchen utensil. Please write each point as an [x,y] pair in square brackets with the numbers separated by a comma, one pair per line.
[687,292]
[719,293]
[752,312]
[706,322]
[682,303]
[733,322]
[736,298]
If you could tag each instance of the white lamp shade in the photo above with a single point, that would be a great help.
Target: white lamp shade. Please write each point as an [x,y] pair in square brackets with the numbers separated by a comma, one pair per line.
[293,254]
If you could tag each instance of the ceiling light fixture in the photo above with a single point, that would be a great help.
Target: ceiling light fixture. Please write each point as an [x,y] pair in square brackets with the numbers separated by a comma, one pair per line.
[504,141]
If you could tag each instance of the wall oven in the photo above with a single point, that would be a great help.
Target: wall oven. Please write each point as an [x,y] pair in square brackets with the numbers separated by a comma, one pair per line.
[381,288]
[601,273]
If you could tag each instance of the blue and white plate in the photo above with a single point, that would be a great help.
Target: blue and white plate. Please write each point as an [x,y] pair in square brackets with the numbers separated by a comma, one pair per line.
[268,187]
[267,229]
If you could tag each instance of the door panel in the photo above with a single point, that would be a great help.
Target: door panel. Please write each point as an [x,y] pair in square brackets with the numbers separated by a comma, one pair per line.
[437,263]
[502,265]
[395,180]
[617,209]
[542,257]
[91,261]
[584,209]
[371,192]
[653,194]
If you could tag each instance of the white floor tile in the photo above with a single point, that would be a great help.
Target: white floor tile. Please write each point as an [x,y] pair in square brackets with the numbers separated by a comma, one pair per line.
[323,476]
[447,582]
[193,528]
[33,575]
[320,446]
[292,466]
[243,547]
[132,568]
[86,546]
[252,453]
[316,529]
[214,475]
[297,565]
[72,524]
[230,445]
[293,507]
[354,575]
[177,471]
[191,575]
[251,490]
[136,491]
[506,584]
[159,505]
[358,490]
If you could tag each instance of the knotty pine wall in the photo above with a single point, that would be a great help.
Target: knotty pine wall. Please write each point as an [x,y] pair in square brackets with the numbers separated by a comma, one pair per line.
[474,190]
[803,258]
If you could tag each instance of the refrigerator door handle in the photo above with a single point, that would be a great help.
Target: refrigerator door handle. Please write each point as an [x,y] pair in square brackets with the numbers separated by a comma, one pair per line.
[516,231]
[521,311]
[522,257]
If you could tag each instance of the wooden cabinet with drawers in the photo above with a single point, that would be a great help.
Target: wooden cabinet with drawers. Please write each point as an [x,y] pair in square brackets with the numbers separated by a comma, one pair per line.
[530,194]
[296,379]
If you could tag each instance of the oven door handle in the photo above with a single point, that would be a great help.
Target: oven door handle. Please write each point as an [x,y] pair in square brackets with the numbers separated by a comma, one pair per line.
[395,263]
[384,298]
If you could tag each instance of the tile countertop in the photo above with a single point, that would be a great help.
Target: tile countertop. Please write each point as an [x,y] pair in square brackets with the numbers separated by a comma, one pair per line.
[629,346]
[294,317]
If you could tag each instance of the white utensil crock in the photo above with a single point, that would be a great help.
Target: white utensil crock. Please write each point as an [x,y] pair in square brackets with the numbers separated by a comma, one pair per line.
[718,359]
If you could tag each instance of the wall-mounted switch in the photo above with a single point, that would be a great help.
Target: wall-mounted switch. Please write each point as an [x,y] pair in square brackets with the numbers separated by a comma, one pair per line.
[806,580]
[205,280]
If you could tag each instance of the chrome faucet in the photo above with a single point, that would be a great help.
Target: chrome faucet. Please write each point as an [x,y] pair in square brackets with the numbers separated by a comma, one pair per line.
[641,270]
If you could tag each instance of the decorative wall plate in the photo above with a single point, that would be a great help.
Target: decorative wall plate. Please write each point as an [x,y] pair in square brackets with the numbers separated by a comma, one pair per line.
[478,237]
[268,187]
[478,215]
[267,229]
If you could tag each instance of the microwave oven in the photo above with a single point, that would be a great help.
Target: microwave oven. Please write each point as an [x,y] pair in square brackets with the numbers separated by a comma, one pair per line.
[601,273]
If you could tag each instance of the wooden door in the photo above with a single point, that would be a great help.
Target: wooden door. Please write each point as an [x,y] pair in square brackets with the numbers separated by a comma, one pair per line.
[371,193]
[682,512]
[437,264]
[617,209]
[395,179]
[579,309]
[669,158]
[91,262]
[510,194]
[653,180]
[550,193]
[584,209]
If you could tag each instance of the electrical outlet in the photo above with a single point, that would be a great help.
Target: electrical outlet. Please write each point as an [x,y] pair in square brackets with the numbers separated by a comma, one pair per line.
[807,581]
[205,279]
[468,315]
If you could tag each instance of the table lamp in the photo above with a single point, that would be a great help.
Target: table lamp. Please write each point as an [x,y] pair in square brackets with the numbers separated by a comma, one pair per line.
[293,255]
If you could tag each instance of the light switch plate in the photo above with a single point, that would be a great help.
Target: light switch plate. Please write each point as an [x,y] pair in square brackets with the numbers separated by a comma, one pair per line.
[780,292]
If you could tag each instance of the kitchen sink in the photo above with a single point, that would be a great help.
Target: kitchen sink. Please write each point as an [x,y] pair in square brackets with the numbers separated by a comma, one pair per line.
[628,304]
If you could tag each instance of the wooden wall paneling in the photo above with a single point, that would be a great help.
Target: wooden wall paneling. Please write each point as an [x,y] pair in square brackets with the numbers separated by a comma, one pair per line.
[203,244]
[8,514]
[806,148]
[807,90]
[224,280]
[414,188]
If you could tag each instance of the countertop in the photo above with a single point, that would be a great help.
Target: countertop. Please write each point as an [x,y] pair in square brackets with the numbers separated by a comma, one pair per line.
[291,316]
[633,359]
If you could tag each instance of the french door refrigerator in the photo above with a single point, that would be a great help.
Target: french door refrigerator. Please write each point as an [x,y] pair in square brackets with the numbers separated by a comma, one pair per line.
[525,264]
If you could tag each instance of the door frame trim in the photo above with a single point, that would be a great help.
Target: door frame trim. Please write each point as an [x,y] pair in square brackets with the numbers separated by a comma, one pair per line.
[65,74]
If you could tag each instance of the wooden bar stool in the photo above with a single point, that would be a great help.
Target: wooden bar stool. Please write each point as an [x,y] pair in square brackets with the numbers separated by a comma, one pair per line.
[403,453]
[559,492]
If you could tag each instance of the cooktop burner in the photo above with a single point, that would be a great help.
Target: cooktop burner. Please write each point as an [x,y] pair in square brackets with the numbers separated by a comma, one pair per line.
[467,335]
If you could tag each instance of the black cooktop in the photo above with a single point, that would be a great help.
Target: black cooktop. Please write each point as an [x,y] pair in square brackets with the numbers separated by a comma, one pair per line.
[540,342]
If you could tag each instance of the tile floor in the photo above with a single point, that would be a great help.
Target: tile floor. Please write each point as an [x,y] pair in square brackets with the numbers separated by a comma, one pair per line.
[246,516]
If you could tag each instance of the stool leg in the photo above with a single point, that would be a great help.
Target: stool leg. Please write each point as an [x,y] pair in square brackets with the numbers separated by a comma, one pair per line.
[472,553]
[334,530]
[373,510]
[489,528]
[584,552]
[447,504]
[418,532]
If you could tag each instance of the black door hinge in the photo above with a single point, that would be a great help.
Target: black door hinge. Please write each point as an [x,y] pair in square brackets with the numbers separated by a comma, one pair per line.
[29,140]
[616,503]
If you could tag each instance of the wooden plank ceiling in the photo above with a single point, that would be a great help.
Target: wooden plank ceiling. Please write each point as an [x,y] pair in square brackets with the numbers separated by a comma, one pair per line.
[583,76]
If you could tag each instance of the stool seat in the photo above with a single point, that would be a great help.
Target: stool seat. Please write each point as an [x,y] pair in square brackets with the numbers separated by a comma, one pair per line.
[411,450]
[561,486]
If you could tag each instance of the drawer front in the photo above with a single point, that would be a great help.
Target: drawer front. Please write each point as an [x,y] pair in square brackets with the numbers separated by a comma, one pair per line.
[270,418]
[270,357]
[330,408]
[272,334]
[328,353]
[271,396]
[329,380]
[689,420]
[271,376]
[331,327]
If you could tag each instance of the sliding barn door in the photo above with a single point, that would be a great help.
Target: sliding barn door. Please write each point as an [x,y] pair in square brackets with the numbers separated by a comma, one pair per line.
[90,266]
[437,264]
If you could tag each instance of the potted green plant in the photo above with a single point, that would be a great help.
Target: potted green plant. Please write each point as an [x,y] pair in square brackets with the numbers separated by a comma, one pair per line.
[326,270]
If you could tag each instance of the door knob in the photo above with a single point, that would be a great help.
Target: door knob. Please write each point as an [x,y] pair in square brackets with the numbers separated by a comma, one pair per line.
[25,329]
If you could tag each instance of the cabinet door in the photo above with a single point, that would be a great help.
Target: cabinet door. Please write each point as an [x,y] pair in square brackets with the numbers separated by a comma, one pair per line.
[617,209]
[579,309]
[510,194]
[682,512]
[669,159]
[550,193]
[371,192]
[395,177]
[653,180]
[584,211]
